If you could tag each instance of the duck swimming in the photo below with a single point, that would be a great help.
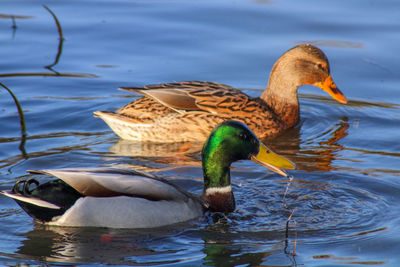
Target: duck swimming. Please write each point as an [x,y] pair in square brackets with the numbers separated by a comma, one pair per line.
[133,199]
[188,111]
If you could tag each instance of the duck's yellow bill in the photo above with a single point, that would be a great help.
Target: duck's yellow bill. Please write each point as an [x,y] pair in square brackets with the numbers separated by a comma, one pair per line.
[272,161]
[330,87]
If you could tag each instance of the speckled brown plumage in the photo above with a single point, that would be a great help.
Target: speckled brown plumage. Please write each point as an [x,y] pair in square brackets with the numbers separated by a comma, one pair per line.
[187,111]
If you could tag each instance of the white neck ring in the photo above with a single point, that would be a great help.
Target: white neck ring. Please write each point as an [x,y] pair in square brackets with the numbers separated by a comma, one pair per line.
[221,190]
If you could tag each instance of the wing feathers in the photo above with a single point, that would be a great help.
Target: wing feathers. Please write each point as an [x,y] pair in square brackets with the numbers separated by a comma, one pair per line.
[195,96]
[180,85]
[176,99]
[31,200]
[112,182]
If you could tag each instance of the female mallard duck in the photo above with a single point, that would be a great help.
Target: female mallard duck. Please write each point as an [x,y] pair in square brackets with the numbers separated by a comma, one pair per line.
[133,199]
[188,111]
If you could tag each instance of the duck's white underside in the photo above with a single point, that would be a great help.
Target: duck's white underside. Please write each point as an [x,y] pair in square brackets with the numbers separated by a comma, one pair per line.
[127,212]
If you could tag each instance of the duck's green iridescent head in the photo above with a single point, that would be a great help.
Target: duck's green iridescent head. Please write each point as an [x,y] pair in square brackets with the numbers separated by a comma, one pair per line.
[232,141]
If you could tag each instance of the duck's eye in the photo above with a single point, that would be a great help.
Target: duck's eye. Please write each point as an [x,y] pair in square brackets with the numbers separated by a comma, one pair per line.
[320,66]
[244,136]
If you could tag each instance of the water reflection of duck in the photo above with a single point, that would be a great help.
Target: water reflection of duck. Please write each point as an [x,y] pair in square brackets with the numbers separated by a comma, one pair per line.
[132,199]
[77,245]
[187,111]
[146,246]
[316,157]
[130,148]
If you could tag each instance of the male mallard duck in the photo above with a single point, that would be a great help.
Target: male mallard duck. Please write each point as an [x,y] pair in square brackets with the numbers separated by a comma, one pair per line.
[133,199]
[188,111]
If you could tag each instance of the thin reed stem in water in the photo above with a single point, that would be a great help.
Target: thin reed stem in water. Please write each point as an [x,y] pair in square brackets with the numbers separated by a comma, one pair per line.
[21,120]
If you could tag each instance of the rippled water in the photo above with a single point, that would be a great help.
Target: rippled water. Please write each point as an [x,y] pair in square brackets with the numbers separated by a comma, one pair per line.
[341,208]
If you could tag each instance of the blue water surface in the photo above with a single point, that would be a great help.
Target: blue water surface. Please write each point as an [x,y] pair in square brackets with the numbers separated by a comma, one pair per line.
[343,200]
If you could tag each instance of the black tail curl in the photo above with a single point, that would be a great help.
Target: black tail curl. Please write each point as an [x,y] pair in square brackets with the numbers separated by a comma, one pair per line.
[22,187]
[56,192]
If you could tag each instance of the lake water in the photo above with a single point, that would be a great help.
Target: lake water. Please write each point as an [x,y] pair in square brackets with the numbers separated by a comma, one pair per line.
[346,188]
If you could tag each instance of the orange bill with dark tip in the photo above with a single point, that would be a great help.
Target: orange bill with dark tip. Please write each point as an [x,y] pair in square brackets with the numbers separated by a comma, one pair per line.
[329,86]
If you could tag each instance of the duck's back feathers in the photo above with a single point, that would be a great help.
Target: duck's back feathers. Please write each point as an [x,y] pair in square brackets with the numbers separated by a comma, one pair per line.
[180,85]
[146,109]
[178,100]
[209,97]
[178,96]
[100,182]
